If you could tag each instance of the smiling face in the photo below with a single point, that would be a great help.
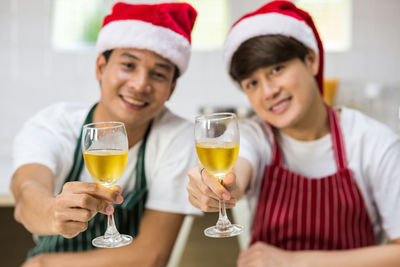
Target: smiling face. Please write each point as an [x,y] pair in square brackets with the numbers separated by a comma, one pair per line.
[278,75]
[135,84]
[285,94]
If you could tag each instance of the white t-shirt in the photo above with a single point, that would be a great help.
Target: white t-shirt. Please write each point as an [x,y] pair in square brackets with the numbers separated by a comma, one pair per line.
[50,138]
[373,154]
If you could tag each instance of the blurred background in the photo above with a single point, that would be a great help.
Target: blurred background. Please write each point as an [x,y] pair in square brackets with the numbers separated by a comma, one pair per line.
[47,55]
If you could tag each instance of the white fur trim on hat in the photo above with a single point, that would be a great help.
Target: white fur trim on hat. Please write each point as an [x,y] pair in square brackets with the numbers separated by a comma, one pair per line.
[264,24]
[144,35]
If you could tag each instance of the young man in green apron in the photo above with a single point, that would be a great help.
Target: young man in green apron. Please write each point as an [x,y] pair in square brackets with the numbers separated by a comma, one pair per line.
[142,50]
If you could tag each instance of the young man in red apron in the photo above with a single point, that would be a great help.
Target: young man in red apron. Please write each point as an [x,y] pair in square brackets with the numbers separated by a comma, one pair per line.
[322,184]
[142,50]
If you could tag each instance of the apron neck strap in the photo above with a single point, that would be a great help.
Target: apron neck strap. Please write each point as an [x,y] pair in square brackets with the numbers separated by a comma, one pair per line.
[336,136]
[277,159]
[140,184]
[339,150]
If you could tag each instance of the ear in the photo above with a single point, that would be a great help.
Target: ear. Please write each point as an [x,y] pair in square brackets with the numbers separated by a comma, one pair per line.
[312,62]
[173,85]
[100,66]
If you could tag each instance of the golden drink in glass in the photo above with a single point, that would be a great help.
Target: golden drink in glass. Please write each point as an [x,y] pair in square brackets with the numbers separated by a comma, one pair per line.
[105,151]
[217,158]
[106,166]
[217,145]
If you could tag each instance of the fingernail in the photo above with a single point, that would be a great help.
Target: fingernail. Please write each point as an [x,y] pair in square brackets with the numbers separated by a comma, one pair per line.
[225,196]
[109,209]
[119,199]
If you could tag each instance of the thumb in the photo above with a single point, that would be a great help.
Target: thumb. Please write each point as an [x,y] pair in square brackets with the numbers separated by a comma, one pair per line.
[230,180]
[105,208]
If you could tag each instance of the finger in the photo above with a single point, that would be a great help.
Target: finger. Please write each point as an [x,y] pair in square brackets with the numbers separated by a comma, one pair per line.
[195,175]
[197,186]
[219,190]
[75,214]
[205,201]
[112,195]
[83,201]
[205,190]
[230,180]
[230,203]
[200,166]
[203,193]
[71,229]
[197,203]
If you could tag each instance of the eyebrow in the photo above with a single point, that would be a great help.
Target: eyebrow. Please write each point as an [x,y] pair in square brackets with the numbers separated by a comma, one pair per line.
[125,54]
[161,65]
[164,66]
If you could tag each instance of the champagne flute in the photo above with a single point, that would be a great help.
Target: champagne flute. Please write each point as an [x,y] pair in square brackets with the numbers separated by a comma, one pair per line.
[217,145]
[105,151]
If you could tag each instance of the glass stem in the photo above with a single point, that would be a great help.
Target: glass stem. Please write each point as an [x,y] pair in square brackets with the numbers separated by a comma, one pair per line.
[111,232]
[223,223]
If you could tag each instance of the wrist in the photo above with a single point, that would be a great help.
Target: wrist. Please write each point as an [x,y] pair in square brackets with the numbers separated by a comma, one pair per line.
[52,217]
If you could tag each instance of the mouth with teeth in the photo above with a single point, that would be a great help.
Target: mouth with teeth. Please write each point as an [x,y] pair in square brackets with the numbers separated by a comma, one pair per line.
[133,103]
[281,106]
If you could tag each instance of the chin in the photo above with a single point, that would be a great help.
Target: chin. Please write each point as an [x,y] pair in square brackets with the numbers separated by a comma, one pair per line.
[283,122]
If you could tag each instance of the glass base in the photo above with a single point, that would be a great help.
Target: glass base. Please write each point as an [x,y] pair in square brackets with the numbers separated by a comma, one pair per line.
[232,230]
[119,241]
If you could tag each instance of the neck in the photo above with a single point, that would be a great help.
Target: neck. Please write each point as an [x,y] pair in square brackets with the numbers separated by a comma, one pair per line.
[135,132]
[314,125]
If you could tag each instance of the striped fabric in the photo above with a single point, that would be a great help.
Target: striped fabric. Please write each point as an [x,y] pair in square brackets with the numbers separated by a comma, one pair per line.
[127,215]
[298,213]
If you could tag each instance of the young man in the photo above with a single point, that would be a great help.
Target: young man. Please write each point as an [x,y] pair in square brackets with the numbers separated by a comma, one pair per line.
[317,179]
[142,50]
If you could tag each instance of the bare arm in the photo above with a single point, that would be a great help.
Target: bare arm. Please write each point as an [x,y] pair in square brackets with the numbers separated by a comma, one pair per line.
[152,247]
[385,256]
[263,255]
[32,187]
[205,190]
[67,214]
[244,171]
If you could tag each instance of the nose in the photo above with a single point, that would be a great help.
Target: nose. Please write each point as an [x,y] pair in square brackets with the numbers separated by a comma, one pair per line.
[270,89]
[139,81]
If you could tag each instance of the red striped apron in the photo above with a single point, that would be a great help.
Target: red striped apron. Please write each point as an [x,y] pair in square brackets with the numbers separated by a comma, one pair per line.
[298,213]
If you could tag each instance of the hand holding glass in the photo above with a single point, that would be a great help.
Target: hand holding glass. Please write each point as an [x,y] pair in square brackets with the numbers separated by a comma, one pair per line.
[217,145]
[105,151]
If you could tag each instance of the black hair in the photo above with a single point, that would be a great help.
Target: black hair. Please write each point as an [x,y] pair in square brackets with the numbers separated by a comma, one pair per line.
[264,51]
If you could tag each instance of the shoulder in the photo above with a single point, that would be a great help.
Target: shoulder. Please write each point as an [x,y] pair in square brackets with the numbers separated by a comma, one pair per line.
[49,137]
[361,129]
[255,128]
[61,112]
[169,124]
[62,119]
[63,107]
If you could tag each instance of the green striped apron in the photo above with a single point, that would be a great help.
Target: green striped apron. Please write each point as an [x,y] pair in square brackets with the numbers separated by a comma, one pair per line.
[127,215]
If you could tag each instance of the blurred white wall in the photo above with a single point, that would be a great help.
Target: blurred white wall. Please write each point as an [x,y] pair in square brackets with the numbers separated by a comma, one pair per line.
[33,76]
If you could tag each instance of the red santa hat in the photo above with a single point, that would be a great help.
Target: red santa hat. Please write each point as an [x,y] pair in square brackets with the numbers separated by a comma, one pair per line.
[162,28]
[276,17]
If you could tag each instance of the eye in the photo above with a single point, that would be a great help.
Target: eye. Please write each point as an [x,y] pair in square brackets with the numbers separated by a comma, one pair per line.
[158,75]
[250,84]
[128,65]
[276,69]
